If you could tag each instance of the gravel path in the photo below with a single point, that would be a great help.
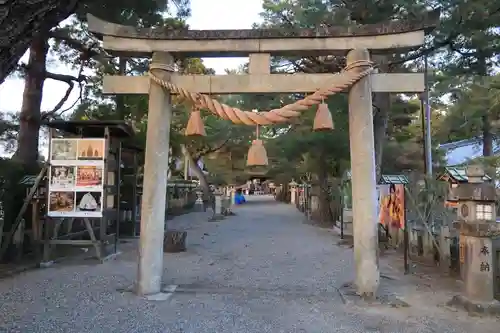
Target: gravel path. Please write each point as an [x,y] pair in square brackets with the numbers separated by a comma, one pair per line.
[263,270]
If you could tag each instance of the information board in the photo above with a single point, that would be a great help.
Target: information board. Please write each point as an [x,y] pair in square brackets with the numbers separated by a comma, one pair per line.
[76,177]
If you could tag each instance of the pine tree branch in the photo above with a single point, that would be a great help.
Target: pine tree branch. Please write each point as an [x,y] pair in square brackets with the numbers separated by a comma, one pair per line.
[86,52]
[210,150]
[66,78]
[425,51]
[447,42]
[70,80]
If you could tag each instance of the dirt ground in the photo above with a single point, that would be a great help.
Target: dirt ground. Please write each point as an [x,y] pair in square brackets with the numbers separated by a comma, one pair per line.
[263,270]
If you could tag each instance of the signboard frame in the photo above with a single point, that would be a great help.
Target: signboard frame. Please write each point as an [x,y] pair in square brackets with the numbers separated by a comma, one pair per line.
[76,177]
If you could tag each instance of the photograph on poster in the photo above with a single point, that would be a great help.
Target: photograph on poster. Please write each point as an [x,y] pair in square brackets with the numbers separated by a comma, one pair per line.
[62,177]
[61,201]
[91,149]
[63,149]
[88,201]
[88,176]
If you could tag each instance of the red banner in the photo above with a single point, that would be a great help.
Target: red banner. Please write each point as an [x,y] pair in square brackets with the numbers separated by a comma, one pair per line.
[392,210]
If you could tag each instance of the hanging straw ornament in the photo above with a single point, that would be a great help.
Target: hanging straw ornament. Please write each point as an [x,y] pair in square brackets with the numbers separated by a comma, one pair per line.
[257,155]
[323,120]
[195,125]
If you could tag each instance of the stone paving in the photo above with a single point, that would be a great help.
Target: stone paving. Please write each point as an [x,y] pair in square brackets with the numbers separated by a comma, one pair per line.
[263,270]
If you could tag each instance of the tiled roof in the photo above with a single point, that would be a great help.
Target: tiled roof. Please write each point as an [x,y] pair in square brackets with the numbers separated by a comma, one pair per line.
[28,180]
[386,179]
[459,174]
[394,179]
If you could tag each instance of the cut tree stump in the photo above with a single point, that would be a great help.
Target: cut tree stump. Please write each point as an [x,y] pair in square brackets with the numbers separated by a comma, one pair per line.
[174,241]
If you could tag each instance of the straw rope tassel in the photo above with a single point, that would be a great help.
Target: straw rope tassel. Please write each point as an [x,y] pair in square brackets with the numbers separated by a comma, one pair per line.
[257,155]
[195,126]
[323,119]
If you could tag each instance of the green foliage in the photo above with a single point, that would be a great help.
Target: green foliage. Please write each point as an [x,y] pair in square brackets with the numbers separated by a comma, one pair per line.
[305,149]
[464,118]
[144,13]
[463,46]
[461,70]
[11,193]
[302,147]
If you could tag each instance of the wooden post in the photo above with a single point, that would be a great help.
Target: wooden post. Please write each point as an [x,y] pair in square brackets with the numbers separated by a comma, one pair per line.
[155,183]
[186,167]
[101,250]
[406,237]
[218,210]
[364,185]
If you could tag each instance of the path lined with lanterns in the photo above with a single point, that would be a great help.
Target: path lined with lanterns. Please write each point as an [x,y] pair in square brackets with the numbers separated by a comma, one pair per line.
[263,270]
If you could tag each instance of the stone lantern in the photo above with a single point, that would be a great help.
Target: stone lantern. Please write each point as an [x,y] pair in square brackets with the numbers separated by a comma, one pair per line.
[293,192]
[479,241]
[199,205]
[476,198]
[218,213]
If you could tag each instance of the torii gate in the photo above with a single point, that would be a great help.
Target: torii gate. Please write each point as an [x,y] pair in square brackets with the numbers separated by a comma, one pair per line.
[260,44]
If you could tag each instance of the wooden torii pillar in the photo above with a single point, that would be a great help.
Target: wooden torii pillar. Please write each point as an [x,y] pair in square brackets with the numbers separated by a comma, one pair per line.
[260,45]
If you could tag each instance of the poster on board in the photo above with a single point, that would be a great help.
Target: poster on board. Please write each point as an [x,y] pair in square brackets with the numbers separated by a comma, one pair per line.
[76,177]
[62,177]
[89,177]
[63,150]
[391,205]
[91,149]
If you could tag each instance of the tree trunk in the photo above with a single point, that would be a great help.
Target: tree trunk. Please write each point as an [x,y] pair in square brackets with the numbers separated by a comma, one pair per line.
[382,106]
[283,193]
[174,241]
[325,216]
[486,125]
[201,176]
[20,21]
[487,134]
[487,137]
[30,116]
[120,98]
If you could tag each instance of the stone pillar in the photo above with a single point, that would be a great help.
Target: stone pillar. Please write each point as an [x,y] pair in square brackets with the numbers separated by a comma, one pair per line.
[218,213]
[364,185]
[444,244]
[155,183]
[314,204]
[218,204]
[293,195]
[479,271]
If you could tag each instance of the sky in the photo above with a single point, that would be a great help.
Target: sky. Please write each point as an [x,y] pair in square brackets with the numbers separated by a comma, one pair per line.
[219,14]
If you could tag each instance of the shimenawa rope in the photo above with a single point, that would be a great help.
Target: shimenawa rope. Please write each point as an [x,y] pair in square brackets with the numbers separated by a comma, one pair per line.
[349,75]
